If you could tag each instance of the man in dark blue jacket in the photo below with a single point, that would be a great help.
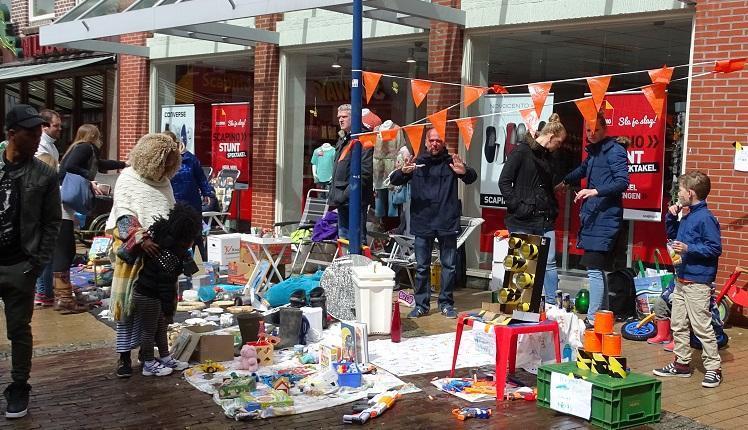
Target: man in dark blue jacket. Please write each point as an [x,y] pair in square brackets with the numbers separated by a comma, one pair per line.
[699,243]
[435,214]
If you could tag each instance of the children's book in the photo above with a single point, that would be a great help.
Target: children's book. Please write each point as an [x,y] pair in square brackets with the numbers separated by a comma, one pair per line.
[355,341]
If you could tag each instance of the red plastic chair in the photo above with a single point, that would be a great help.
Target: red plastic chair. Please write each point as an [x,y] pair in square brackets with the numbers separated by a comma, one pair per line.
[506,346]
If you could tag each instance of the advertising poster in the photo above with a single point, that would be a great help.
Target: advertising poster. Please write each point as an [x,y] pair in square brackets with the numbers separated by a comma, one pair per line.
[230,137]
[501,135]
[180,120]
[630,115]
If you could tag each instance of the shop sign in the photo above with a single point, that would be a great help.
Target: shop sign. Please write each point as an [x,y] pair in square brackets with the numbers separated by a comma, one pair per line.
[631,115]
[180,120]
[339,92]
[8,39]
[500,138]
[32,48]
[209,81]
[230,137]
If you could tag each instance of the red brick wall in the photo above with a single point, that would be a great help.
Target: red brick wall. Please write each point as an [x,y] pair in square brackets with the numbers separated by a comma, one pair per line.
[19,13]
[445,65]
[264,126]
[718,117]
[62,6]
[133,80]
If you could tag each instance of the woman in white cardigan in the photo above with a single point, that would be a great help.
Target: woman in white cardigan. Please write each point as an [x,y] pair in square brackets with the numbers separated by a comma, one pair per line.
[143,192]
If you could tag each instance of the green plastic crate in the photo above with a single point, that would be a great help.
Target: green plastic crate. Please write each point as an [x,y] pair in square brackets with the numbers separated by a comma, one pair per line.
[616,403]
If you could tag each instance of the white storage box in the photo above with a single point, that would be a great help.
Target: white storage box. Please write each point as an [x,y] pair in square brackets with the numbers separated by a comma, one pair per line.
[224,248]
[374,284]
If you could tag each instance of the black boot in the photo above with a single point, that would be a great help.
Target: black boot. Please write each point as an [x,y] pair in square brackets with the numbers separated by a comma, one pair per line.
[290,327]
[298,299]
[124,365]
[17,398]
[319,300]
[249,326]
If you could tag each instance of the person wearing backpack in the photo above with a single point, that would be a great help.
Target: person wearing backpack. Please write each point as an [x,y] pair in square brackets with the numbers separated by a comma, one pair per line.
[601,214]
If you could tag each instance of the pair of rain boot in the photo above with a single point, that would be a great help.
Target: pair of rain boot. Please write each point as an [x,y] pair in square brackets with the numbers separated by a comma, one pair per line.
[317,299]
[664,335]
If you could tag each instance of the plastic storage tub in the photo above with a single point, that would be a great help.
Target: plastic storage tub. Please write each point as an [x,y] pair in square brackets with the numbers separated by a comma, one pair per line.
[616,403]
[373,287]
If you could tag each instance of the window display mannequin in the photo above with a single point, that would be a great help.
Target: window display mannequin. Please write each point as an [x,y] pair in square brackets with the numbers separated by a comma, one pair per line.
[323,159]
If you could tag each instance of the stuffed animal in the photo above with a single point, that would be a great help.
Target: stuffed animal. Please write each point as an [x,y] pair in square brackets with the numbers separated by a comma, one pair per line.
[320,384]
[247,359]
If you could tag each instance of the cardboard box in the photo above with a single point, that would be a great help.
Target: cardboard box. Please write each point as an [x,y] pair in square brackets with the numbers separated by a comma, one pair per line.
[224,248]
[199,343]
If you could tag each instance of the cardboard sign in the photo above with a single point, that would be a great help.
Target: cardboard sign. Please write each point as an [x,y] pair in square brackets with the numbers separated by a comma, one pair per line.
[571,396]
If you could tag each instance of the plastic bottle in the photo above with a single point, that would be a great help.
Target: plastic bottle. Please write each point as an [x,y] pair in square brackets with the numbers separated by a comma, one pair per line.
[566,354]
[395,328]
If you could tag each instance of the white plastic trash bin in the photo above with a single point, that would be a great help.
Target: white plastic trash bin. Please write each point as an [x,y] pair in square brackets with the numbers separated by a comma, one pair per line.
[374,284]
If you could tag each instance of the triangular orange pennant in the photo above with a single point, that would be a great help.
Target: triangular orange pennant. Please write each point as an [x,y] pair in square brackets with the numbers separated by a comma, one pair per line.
[531,120]
[498,89]
[472,94]
[598,87]
[371,80]
[655,94]
[390,134]
[367,140]
[467,127]
[661,75]
[539,92]
[727,66]
[419,89]
[588,109]
[414,133]
[439,121]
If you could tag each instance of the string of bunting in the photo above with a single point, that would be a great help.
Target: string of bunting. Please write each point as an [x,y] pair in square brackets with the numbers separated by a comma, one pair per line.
[588,106]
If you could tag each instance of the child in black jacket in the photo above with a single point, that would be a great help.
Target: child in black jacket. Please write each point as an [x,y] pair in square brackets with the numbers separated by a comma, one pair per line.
[155,292]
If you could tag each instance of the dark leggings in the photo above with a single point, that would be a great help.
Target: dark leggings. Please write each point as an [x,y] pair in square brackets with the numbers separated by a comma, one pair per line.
[64,248]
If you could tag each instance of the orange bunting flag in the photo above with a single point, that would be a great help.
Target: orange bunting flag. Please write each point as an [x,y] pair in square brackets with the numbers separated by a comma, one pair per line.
[727,66]
[498,89]
[531,120]
[661,75]
[598,87]
[588,109]
[655,94]
[467,127]
[439,121]
[390,134]
[472,94]
[414,133]
[371,80]
[419,89]
[539,92]
[367,140]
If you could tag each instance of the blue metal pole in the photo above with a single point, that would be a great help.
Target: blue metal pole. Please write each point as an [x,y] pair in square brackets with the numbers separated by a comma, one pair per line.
[354,199]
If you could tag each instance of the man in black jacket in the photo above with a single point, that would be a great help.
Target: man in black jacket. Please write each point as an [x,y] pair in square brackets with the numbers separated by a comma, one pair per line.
[29,223]
[435,214]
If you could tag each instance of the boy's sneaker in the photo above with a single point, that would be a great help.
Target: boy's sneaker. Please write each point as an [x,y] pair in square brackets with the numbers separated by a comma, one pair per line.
[154,368]
[17,397]
[41,301]
[712,378]
[674,369]
[417,313]
[449,312]
[173,363]
[124,368]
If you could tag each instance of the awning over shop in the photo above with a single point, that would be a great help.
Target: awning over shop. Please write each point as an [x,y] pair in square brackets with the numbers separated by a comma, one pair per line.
[20,72]
[91,20]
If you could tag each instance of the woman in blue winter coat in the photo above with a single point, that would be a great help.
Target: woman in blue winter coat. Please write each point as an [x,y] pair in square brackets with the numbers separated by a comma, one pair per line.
[191,187]
[601,215]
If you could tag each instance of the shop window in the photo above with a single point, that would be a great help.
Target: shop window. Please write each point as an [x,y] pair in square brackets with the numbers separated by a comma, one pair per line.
[63,104]
[41,9]
[37,94]
[12,94]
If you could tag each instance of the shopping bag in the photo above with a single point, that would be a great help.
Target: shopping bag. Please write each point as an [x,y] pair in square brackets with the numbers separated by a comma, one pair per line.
[650,284]
[76,193]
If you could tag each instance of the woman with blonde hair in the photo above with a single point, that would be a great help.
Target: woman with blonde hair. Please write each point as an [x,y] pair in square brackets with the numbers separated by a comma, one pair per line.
[142,195]
[81,158]
[527,185]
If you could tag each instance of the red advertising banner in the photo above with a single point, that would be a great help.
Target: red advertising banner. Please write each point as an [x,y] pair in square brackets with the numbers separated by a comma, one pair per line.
[631,115]
[230,136]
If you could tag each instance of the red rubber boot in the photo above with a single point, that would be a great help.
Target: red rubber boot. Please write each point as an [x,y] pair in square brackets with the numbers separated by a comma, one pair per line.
[664,335]
[670,346]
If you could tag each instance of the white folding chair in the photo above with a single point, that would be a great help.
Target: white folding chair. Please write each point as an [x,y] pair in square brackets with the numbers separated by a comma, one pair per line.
[224,184]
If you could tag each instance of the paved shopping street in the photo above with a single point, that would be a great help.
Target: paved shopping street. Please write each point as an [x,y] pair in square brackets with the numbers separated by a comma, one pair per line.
[78,389]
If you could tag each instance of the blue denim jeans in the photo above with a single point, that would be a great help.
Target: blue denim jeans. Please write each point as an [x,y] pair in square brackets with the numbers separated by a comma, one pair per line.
[44,283]
[550,280]
[343,223]
[424,246]
[598,292]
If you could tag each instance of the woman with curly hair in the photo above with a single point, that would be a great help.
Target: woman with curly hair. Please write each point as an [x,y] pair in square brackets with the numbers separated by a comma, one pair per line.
[142,194]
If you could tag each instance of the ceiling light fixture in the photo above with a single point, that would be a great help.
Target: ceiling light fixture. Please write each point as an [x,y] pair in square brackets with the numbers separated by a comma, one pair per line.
[411,56]
[336,63]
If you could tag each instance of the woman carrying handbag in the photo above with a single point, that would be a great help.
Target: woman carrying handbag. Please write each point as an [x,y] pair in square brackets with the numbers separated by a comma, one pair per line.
[81,159]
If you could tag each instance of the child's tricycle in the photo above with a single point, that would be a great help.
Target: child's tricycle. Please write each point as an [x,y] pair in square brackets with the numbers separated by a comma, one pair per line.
[732,294]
